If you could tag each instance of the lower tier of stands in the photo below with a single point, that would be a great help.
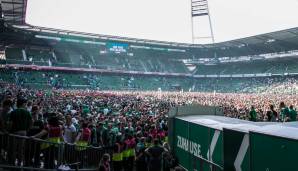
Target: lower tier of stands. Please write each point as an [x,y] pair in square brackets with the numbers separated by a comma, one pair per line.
[110,81]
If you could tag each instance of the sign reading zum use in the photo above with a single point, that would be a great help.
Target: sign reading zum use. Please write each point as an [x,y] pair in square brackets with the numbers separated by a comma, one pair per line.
[189,146]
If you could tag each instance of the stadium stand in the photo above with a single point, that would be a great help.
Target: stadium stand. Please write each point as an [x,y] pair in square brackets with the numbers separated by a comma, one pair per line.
[93,97]
[274,66]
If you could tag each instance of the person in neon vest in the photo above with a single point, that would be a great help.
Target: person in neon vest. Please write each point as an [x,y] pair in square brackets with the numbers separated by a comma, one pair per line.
[82,141]
[53,131]
[129,152]
[118,154]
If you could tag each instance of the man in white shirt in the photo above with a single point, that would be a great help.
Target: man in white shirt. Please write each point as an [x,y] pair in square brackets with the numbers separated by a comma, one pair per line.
[105,111]
[69,131]
[69,135]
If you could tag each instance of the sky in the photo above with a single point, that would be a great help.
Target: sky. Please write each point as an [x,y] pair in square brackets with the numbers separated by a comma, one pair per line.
[165,20]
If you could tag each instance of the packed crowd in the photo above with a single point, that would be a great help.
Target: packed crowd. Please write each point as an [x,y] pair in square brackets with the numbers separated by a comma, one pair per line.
[132,125]
[133,128]
[98,81]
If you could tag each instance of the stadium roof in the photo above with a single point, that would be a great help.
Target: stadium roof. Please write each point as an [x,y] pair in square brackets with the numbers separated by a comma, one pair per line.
[288,37]
[279,40]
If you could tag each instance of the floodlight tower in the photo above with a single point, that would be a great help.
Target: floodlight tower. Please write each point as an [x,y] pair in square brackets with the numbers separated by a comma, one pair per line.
[199,10]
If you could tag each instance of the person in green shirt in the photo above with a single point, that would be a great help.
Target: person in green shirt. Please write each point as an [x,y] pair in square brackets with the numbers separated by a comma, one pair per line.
[85,110]
[253,114]
[284,112]
[293,113]
[20,119]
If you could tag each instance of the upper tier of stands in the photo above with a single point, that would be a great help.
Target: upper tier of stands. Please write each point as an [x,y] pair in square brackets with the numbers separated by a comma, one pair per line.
[46,47]
[87,58]
[274,66]
[144,62]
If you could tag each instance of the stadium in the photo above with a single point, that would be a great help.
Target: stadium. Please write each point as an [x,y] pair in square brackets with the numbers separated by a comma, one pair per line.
[73,100]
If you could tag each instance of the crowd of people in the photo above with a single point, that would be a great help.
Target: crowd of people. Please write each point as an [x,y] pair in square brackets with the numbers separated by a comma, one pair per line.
[100,81]
[131,126]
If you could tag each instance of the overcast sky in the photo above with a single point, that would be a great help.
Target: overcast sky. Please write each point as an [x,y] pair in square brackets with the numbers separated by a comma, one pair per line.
[167,20]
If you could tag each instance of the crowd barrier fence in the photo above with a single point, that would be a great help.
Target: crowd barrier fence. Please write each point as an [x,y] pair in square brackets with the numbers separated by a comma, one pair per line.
[27,153]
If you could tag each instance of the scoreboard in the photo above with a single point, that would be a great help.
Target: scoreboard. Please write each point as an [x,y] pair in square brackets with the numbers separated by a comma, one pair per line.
[117,47]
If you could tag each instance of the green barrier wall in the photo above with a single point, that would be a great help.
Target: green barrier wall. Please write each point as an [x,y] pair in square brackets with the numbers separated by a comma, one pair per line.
[216,137]
[199,135]
[270,153]
[236,150]
[181,129]
[192,141]
[200,142]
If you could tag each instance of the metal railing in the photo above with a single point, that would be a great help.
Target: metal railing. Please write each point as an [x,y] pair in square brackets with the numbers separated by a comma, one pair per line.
[206,163]
[36,154]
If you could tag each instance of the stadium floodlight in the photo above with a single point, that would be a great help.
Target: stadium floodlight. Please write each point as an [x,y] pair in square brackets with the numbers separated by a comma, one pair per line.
[199,9]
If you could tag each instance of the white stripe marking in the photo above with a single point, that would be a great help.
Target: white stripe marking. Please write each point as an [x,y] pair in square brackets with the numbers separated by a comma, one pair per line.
[241,153]
[212,145]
